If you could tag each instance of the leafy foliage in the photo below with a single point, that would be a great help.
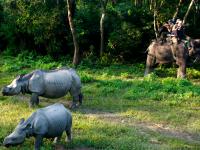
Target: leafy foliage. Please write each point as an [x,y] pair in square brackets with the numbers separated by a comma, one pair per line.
[42,27]
[34,25]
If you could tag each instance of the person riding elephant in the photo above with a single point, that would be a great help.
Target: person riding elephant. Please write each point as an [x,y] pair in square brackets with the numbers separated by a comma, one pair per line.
[165,30]
[178,35]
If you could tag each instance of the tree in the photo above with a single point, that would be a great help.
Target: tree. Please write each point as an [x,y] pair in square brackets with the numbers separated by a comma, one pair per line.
[103,13]
[157,5]
[154,20]
[177,9]
[76,57]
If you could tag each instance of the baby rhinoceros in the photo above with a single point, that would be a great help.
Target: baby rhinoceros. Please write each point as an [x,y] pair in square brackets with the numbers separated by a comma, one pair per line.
[49,84]
[48,122]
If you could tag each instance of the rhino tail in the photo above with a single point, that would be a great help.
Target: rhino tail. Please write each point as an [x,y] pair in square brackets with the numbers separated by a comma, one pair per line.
[80,96]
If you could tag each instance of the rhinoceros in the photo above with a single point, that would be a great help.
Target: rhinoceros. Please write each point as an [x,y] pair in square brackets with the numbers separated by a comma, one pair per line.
[47,122]
[49,84]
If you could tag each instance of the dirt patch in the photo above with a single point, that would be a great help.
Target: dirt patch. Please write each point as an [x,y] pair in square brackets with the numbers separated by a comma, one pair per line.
[62,147]
[147,127]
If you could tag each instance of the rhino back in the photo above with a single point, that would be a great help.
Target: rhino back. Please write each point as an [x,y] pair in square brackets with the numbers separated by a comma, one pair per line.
[57,83]
[52,120]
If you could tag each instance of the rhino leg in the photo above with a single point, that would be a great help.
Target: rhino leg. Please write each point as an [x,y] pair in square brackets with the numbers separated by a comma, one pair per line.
[77,96]
[80,98]
[37,101]
[38,142]
[76,99]
[74,102]
[34,100]
[57,139]
[69,135]
[68,130]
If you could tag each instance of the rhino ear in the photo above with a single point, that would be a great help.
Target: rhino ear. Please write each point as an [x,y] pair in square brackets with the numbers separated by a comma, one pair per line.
[26,127]
[21,121]
[20,76]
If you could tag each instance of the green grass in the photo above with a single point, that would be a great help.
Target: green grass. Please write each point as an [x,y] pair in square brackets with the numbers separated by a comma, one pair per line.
[122,110]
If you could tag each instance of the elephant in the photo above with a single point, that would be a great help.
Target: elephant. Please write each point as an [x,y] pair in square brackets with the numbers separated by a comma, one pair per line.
[162,53]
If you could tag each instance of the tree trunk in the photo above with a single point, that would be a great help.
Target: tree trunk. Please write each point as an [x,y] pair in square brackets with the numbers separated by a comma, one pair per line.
[189,9]
[154,21]
[76,58]
[177,9]
[151,5]
[102,33]
[103,7]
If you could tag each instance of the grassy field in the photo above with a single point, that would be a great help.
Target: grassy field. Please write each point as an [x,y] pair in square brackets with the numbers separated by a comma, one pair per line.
[122,110]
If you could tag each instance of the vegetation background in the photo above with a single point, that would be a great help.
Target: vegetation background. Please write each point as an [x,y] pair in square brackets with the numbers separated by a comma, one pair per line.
[122,110]
[42,27]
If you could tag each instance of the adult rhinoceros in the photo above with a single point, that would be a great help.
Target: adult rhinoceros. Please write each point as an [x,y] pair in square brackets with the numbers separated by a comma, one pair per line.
[48,122]
[161,53]
[49,84]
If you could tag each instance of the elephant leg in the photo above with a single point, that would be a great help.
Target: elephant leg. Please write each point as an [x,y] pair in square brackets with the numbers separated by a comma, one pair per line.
[149,64]
[147,71]
[181,73]
[34,100]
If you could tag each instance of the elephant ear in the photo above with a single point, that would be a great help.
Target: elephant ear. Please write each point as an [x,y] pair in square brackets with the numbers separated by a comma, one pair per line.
[36,82]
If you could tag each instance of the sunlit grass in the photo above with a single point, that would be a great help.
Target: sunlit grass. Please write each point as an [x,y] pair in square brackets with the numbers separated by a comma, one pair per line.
[118,108]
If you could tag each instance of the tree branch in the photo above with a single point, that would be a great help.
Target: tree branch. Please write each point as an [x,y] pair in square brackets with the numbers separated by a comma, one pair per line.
[189,9]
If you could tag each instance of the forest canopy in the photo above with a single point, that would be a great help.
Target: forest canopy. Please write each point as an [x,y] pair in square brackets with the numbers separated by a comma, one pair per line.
[42,27]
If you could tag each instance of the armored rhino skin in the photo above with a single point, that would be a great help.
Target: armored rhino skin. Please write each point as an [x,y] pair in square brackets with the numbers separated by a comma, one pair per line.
[49,84]
[48,122]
